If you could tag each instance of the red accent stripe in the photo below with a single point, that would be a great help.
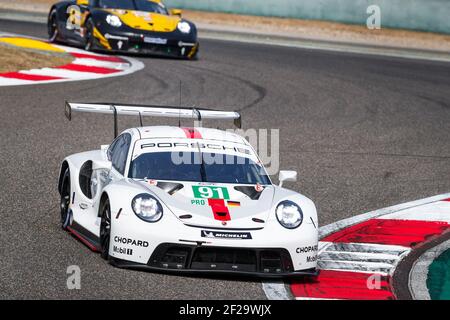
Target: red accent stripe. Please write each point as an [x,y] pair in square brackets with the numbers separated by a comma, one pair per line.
[100,58]
[219,209]
[342,285]
[395,232]
[82,239]
[448,200]
[91,69]
[31,77]
[192,133]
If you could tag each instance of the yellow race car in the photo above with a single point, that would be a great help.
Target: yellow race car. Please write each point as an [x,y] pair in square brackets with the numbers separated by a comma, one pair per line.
[131,26]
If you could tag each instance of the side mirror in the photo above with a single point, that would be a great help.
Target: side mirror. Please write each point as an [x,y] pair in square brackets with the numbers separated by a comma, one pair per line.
[101,165]
[287,176]
[176,12]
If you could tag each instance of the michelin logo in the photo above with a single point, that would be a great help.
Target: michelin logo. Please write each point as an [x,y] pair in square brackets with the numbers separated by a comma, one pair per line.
[226,235]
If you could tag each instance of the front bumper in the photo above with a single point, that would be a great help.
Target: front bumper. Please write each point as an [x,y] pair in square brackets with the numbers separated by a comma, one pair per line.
[232,249]
[149,43]
[196,259]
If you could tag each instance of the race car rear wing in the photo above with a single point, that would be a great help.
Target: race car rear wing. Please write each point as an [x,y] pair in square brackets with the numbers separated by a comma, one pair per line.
[151,111]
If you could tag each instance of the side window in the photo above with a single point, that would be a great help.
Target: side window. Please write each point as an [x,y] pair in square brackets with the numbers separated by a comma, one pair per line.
[119,152]
[111,148]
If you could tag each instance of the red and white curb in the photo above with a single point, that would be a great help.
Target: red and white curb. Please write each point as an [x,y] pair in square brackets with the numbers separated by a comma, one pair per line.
[358,256]
[86,66]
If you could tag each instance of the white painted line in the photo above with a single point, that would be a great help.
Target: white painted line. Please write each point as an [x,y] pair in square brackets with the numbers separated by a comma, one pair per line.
[68,74]
[312,299]
[103,64]
[276,291]
[364,247]
[418,274]
[361,257]
[73,49]
[438,211]
[13,82]
[360,267]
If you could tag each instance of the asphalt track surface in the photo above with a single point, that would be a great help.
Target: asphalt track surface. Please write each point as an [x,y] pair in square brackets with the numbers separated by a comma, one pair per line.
[363,132]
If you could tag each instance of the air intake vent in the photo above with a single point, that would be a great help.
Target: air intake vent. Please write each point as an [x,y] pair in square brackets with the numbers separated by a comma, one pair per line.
[271,262]
[170,187]
[264,261]
[174,258]
[224,259]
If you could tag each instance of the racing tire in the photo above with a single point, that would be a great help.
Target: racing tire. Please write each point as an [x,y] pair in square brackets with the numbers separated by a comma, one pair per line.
[105,229]
[195,56]
[89,36]
[52,27]
[65,200]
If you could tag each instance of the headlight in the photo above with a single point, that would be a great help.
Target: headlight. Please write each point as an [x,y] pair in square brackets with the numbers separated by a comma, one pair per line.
[184,27]
[147,208]
[289,214]
[113,20]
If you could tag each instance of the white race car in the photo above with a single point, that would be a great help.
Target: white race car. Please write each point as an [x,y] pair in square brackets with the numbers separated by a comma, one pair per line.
[192,200]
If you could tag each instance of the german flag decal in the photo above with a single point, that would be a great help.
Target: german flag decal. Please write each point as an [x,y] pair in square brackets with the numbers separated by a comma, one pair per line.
[233,203]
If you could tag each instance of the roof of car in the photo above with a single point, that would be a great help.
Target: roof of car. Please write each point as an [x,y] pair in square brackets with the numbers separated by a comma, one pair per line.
[190,133]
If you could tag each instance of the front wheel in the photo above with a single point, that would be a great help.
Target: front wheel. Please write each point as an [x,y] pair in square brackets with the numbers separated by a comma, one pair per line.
[89,36]
[65,200]
[52,27]
[195,54]
[105,228]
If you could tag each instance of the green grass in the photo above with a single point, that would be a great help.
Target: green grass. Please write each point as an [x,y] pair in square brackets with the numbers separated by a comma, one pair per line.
[438,281]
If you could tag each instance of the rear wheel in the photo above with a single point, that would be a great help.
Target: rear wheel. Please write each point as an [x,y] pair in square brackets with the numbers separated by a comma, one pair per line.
[65,200]
[89,36]
[105,228]
[52,27]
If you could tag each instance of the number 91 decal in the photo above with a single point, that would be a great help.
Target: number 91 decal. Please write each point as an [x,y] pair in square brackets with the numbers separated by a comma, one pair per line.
[74,19]
[210,192]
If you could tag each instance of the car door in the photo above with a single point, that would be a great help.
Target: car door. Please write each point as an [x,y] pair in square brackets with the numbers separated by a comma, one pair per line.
[76,13]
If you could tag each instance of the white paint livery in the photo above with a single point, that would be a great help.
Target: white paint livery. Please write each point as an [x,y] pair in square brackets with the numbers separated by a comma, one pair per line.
[184,220]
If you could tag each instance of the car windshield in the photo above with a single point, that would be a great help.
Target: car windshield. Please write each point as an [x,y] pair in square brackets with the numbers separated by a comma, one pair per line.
[139,5]
[195,166]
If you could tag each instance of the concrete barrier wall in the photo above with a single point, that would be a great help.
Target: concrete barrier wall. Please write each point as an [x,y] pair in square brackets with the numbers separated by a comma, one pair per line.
[425,15]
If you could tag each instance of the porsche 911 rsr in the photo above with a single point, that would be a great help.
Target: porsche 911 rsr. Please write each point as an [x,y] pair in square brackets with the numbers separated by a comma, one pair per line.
[132,26]
[192,200]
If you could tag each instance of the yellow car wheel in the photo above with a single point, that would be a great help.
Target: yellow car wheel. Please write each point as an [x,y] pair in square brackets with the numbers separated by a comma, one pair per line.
[52,27]
[89,36]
